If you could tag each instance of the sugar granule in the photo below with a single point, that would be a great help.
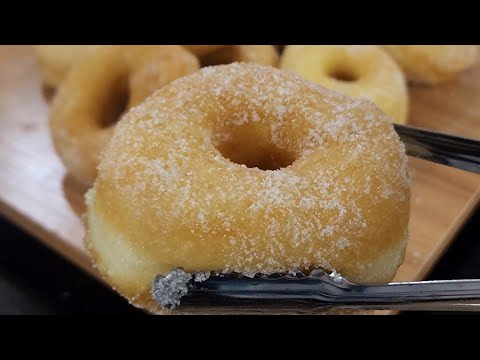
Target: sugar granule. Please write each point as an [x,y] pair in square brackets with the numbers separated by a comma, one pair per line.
[169,290]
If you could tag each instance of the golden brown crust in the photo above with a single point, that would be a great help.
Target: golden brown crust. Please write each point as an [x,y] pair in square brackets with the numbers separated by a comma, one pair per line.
[56,61]
[433,64]
[259,54]
[97,90]
[167,197]
[355,70]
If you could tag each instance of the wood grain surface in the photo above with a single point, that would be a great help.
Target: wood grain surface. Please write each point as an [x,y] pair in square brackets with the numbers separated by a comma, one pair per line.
[36,194]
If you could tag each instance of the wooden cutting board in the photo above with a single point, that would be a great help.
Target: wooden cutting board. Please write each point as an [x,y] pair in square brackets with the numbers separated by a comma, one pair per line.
[36,194]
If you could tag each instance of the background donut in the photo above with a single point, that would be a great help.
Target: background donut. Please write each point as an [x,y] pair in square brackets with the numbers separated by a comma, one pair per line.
[99,89]
[200,50]
[433,64]
[355,70]
[259,54]
[55,61]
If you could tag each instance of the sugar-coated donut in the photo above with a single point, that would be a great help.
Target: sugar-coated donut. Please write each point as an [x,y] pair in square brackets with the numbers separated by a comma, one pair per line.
[259,54]
[355,70]
[200,50]
[98,89]
[55,61]
[433,64]
[248,168]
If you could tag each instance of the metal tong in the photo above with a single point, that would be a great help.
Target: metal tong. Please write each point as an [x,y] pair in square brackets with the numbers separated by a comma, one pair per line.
[453,151]
[318,291]
[314,293]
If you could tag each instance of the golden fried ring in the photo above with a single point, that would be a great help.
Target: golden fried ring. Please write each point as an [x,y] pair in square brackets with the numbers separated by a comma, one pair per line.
[355,70]
[96,92]
[248,168]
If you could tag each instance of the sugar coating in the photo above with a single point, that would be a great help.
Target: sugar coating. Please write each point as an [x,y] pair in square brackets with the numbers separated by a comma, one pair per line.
[168,291]
[341,203]
[201,276]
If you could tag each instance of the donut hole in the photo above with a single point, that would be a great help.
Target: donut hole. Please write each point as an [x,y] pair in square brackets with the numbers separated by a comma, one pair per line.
[254,152]
[266,157]
[345,74]
[114,106]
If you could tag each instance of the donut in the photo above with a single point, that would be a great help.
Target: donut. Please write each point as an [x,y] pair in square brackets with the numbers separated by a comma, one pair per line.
[260,54]
[97,91]
[200,50]
[251,169]
[433,64]
[355,70]
[55,61]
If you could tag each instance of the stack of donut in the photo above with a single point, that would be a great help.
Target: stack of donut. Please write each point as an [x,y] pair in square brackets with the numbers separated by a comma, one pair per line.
[239,166]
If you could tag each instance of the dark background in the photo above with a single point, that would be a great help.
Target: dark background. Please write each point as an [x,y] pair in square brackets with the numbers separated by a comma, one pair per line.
[35,280]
